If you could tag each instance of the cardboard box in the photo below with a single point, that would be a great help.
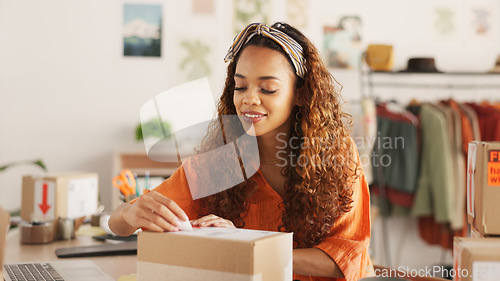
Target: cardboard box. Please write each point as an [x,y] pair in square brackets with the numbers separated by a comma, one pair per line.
[213,253]
[4,227]
[66,195]
[483,187]
[476,259]
[474,233]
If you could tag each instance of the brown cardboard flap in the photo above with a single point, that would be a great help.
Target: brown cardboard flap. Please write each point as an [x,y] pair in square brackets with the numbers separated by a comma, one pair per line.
[203,253]
[28,194]
[4,227]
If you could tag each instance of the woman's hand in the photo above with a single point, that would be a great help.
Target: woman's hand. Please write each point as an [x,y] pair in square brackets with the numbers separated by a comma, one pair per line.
[213,220]
[155,212]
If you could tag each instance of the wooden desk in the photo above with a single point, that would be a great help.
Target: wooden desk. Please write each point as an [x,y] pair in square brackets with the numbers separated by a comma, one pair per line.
[114,266]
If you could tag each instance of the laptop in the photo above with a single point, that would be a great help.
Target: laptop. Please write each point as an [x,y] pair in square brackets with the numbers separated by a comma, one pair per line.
[68,270]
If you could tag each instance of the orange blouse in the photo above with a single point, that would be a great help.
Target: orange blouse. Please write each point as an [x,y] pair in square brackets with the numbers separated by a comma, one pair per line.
[349,239]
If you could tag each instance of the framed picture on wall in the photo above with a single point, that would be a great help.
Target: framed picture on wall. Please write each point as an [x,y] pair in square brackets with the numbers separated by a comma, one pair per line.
[342,42]
[248,11]
[480,22]
[194,59]
[142,30]
[297,13]
[444,22]
[203,7]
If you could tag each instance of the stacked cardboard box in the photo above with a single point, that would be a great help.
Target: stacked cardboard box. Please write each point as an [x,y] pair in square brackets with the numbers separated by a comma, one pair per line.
[478,257]
[60,195]
[483,187]
[213,253]
[48,197]
[474,233]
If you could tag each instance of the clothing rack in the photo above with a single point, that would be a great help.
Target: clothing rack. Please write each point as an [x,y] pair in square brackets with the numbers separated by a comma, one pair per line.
[368,83]
[454,82]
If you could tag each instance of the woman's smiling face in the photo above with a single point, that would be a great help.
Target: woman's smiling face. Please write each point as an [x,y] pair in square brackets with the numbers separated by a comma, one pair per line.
[264,92]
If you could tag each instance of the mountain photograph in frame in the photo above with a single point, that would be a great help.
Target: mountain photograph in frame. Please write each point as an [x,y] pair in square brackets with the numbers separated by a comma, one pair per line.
[142,30]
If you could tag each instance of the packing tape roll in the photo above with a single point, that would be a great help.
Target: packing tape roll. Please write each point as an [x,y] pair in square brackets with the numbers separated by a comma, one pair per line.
[37,232]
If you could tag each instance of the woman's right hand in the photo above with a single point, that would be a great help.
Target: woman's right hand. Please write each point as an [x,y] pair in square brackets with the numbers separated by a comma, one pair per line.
[155,212]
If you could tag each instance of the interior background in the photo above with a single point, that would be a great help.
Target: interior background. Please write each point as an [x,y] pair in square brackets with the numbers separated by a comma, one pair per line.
[69,97]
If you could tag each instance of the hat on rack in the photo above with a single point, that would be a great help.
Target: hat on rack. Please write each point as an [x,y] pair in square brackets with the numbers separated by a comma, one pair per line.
[426,65]
[496,68]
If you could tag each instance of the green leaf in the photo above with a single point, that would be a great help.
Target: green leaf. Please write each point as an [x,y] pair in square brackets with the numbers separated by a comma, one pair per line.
[153,128]
[40,164]
[138,133]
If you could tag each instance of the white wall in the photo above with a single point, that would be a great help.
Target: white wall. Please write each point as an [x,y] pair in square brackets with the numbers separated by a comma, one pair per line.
[69,97]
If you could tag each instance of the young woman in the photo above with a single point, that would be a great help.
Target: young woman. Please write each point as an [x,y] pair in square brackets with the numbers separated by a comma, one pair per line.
[310,180]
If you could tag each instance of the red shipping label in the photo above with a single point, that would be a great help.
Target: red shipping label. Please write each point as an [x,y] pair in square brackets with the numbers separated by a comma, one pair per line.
[494,168]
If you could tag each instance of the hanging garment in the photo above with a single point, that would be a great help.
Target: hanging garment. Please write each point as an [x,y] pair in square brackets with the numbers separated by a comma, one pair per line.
[439,233]
[466,126]
[434,193]
[395,159]
[466,137]
[364,131]
[489,121]
[472,116]
[495,105]
[458,165]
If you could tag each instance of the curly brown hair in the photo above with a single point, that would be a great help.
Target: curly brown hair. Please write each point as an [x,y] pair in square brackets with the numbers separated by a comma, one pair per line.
[317,190]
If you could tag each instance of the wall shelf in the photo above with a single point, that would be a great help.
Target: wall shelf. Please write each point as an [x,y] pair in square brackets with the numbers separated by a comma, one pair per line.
[139,163]
[450,81]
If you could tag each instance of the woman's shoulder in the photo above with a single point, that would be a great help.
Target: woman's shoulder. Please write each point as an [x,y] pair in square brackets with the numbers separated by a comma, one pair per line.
[174,183]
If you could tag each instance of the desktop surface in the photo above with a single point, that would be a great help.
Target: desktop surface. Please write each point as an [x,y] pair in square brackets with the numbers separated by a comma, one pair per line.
[114,266]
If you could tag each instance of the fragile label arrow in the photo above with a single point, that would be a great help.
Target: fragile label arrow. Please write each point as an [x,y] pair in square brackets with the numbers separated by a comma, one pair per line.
[44,206]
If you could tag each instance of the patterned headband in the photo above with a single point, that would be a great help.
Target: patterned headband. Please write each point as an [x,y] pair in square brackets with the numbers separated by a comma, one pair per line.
[289,45]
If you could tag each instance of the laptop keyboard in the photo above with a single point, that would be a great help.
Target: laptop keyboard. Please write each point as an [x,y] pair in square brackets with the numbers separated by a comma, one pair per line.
[32,272]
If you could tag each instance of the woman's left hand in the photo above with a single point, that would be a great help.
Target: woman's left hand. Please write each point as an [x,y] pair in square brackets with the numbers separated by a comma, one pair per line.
[213,220]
